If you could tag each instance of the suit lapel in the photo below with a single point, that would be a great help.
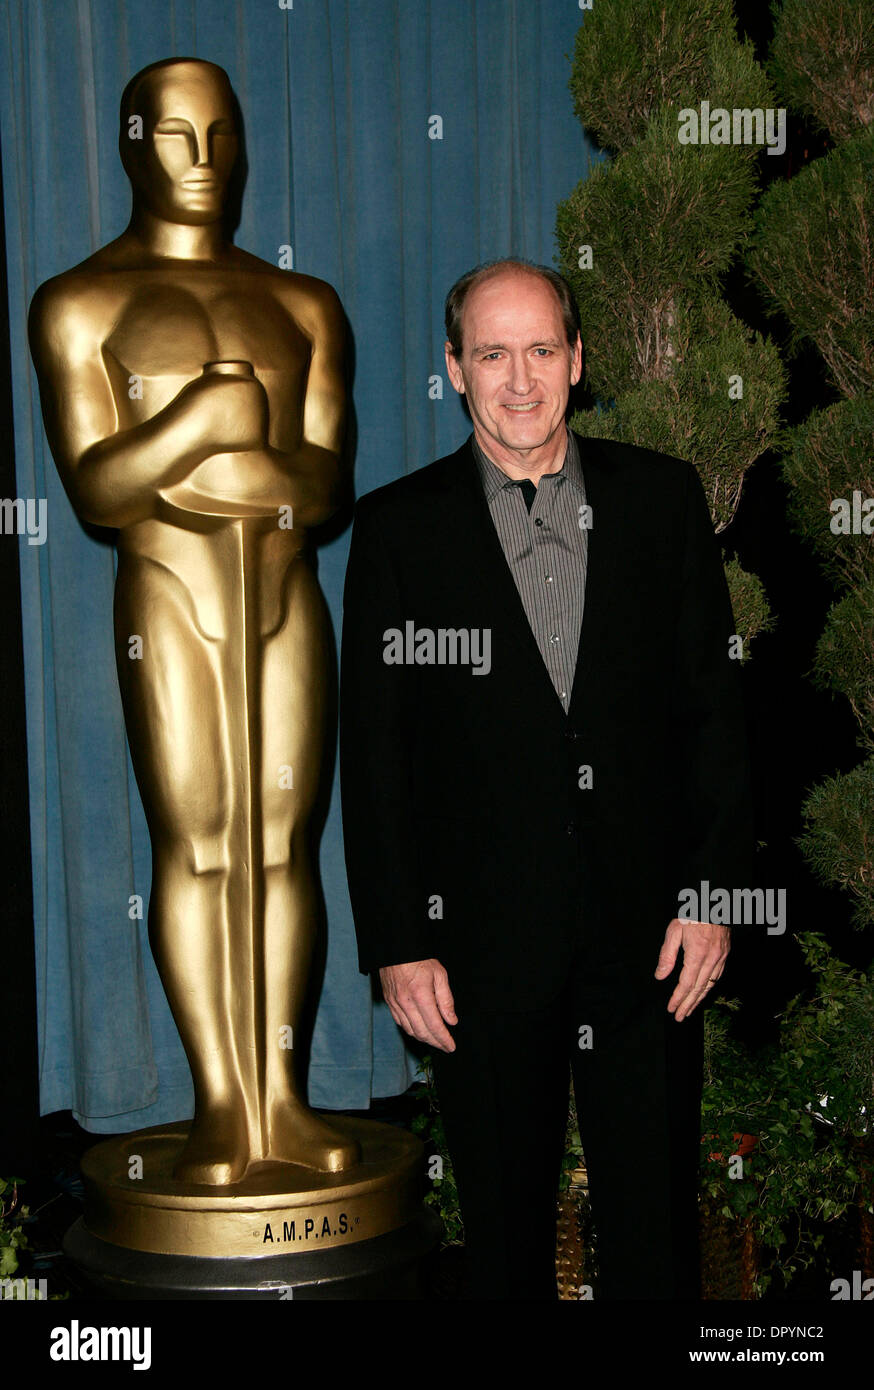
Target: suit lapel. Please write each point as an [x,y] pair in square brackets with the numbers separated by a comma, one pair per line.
[602,574]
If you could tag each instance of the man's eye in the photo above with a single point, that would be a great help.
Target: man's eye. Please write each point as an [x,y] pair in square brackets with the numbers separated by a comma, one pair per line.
[545,352]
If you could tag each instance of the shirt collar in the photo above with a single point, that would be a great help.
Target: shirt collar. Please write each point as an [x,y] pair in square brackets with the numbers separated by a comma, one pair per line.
[494,478]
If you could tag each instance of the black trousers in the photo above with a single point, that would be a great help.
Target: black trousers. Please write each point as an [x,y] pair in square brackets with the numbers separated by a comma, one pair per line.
[503,1098]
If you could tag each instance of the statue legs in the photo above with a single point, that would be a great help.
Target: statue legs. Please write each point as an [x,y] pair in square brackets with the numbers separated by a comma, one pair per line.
[226,739]
[295,674]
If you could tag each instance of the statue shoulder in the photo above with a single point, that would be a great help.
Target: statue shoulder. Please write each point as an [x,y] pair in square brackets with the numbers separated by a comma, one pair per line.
[77,306]
[313,304]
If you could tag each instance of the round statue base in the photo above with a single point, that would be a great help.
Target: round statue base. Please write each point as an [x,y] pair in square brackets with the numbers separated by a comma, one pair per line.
[284,1231]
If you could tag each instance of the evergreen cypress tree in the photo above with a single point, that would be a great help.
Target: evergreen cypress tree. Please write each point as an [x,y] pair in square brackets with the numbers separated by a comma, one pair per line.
[645,239]
[812,253]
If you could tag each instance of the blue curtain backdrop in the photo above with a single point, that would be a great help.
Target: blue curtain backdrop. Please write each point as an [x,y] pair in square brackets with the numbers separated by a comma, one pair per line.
[337,97]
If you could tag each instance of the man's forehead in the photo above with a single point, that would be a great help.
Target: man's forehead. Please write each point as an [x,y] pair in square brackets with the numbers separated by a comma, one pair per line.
[513,297]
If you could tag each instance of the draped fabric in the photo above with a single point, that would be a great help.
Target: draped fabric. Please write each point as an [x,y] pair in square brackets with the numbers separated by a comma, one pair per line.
[391,144]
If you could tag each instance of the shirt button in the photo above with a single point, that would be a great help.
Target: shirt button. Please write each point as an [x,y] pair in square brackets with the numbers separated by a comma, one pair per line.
[538,521]
[571,827]
[548,578]
[554,637]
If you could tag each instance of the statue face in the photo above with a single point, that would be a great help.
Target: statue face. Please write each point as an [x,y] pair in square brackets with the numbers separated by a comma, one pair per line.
[180,168]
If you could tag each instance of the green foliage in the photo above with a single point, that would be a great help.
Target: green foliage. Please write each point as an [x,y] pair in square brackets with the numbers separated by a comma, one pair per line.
[822,62]
[12,1236]
[829,456]
[633,57]
[839,840]
[843,656]
[807,1100]
[749,604]
[813,254]
[833,1030]
[690,413]
[664,220]
[428,1124]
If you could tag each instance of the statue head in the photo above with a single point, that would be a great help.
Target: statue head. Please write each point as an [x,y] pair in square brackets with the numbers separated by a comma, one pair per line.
[178,139]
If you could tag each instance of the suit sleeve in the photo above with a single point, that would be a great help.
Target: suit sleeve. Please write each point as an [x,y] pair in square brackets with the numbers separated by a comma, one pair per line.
[376,752]
[710,737]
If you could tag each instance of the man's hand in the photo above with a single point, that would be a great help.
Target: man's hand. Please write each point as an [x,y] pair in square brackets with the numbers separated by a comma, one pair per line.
[705,948]
[420,1001]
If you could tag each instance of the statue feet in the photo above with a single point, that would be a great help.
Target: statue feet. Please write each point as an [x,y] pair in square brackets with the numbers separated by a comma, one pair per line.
[296,1135]
[217,1149]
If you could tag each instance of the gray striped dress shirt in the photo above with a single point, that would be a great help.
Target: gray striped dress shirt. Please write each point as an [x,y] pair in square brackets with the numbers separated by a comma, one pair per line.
[546,550]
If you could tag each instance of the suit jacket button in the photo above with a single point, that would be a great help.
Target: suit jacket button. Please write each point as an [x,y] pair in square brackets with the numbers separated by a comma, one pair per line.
[571,827]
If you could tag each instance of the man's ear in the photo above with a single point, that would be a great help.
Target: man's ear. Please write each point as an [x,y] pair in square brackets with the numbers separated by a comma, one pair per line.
[453,368]
[577,361]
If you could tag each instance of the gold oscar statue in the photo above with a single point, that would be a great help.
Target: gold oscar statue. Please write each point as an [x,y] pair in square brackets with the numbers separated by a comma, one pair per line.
[194,399]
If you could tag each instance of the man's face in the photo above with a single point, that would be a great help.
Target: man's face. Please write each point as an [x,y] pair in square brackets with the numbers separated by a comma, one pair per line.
[181,169]
[516,367]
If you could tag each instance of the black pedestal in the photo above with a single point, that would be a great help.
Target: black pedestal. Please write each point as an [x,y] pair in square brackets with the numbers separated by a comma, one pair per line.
[390,1266]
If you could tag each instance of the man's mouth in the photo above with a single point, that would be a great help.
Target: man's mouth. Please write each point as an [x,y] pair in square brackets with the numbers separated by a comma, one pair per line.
[523,409]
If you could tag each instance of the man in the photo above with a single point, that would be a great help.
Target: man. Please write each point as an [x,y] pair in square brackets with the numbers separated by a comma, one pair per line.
[542,745]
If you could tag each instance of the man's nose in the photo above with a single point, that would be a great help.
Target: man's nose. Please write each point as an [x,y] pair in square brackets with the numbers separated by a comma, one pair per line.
[521,376]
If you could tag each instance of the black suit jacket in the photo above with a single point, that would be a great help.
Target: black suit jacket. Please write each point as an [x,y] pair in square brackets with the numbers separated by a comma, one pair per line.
[468,835]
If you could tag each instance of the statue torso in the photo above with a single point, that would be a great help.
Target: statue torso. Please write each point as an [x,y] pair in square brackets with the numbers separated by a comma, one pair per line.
[160,326]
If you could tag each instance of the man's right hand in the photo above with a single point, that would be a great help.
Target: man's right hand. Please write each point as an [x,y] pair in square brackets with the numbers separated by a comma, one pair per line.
[420,1001]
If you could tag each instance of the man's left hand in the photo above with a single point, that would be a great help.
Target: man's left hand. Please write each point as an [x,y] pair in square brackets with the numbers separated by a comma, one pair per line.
[705,949]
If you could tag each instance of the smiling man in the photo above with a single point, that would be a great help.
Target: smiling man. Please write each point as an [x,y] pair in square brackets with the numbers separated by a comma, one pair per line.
[517,378]
[516,845]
